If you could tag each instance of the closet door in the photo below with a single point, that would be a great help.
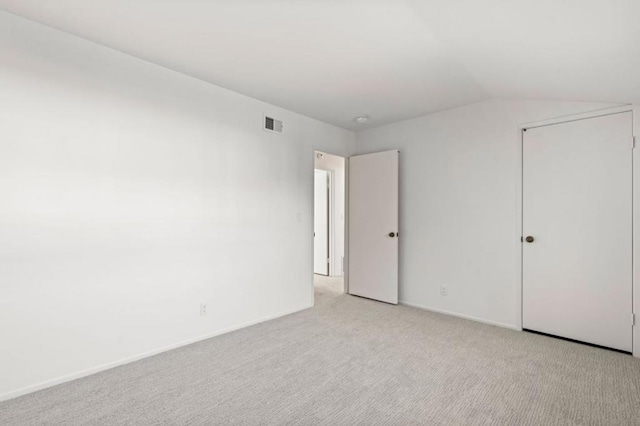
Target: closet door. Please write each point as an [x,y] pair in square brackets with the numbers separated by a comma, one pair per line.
[577,226]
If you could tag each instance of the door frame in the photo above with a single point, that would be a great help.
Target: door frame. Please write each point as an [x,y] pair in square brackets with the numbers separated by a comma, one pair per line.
[519,253]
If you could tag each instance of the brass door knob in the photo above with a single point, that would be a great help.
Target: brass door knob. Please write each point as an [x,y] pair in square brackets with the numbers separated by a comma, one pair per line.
[529,239]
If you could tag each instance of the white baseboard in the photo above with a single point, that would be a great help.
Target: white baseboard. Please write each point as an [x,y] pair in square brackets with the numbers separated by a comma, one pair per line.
[69,377]
[455,314]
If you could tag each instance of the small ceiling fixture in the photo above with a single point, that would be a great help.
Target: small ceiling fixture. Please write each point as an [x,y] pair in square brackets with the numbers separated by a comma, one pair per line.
[361,119]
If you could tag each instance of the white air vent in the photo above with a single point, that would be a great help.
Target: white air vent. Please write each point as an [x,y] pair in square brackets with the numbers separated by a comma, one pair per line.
[272,125]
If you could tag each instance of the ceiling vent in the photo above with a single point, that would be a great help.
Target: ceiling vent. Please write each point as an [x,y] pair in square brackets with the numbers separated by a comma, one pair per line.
[272,125]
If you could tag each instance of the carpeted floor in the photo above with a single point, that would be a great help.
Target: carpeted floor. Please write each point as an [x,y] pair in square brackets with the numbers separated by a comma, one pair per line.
[326,288]
[353,361]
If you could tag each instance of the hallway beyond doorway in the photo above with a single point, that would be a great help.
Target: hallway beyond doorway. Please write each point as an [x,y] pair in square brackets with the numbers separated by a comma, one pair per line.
[326,288]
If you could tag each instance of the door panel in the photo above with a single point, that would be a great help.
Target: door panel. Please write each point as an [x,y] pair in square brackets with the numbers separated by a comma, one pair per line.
[373,215]
[577,206]
[321,223]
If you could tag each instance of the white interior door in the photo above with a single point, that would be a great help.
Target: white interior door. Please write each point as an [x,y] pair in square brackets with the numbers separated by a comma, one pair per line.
[373,226]
[321,223]
[577,207]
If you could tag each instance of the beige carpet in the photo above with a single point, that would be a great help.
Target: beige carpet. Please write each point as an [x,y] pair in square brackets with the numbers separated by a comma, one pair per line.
[327,288]
[352,361]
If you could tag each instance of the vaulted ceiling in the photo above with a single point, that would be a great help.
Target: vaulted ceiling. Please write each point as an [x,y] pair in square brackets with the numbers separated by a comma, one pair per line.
[389,59]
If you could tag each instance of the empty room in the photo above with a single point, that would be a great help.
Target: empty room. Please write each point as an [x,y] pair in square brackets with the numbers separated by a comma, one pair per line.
[319,212]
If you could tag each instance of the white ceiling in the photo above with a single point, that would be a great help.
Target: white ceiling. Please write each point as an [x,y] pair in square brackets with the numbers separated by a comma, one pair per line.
[389,59]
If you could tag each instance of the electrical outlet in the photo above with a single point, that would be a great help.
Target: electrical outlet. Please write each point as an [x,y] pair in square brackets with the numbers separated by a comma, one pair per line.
[203,309]
[444,291]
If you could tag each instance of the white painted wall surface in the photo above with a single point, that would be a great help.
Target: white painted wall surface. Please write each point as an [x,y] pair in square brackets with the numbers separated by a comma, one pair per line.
[336,164]
[458,209]
[129,194]
[321,222]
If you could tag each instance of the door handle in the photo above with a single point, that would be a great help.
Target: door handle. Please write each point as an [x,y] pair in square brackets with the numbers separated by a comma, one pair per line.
[392,234]
[529,239]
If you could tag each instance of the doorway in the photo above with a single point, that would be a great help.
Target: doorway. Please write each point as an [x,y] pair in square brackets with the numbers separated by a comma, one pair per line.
[329,224]
[577,222]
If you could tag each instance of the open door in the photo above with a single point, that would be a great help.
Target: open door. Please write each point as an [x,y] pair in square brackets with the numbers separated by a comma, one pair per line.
[321,223]
[577,259]
[373,226]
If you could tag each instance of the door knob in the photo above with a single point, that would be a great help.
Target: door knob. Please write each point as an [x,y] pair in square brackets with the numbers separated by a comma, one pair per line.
[529,239]
[392,234]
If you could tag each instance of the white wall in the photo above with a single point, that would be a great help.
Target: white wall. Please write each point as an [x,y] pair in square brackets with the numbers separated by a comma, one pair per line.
[336,164]
[458,204]
[129,195]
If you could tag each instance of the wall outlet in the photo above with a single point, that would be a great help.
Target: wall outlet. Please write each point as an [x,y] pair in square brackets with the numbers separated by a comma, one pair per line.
[203,309]
[444,291]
